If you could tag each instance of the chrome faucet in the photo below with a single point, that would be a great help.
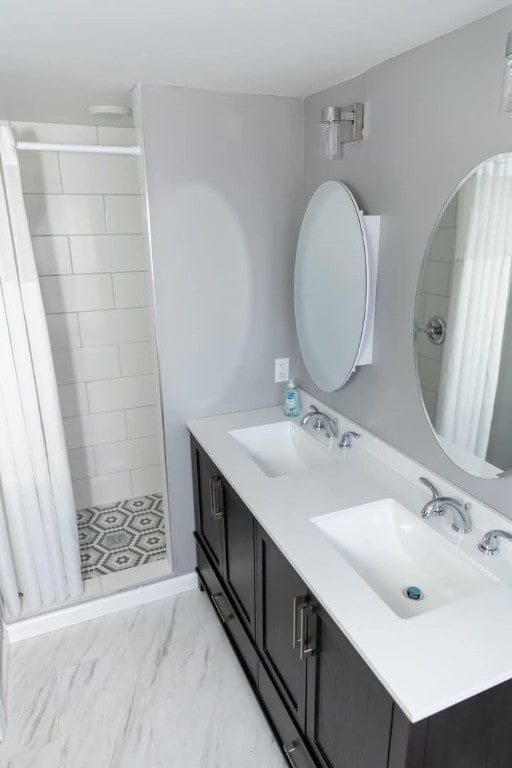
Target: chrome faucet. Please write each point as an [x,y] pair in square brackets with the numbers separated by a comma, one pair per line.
[438,504]
[321,421]
[489,543]
[346,439]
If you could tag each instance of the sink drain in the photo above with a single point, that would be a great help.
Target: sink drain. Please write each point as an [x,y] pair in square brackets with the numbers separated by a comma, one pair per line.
[413,593]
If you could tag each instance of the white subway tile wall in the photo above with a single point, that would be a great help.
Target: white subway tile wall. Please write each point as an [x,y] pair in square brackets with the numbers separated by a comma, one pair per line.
[73,399]
[76,293]
[138,358]
[434,299]
[95,429]
[124,392]
[98,174]
[81,461]
[52,255]
[119,326]
[108,253]
[65,214]
[64,331]
[86,364]
[40,172]
[142,422]
[85,217]
[145,478]
[130,454]
[101,489]
[124,214]
[131,289]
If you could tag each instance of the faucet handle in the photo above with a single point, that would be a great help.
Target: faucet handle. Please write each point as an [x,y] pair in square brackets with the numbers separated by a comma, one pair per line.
[489,543]
[431,487]
[346,439]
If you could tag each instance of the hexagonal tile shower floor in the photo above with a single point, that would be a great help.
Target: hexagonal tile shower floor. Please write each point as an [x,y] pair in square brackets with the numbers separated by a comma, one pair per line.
[121,535]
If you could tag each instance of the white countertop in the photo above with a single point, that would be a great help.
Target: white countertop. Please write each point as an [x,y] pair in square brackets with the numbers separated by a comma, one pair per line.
[426,663]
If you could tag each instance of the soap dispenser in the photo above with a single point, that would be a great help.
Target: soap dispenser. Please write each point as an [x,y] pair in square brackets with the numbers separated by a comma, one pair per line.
[291,407]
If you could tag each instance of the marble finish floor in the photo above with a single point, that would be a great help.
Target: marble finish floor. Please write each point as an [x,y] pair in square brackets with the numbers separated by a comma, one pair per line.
[151,687]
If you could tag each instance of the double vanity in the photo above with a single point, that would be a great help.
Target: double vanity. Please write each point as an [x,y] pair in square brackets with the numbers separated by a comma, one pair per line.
[369,602]
[373,636]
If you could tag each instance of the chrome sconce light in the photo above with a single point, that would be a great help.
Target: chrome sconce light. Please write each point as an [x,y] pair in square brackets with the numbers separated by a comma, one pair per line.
[340,125]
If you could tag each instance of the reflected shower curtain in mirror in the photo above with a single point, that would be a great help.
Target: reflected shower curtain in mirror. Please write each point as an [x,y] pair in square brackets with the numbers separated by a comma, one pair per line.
[478,307]
[39,552]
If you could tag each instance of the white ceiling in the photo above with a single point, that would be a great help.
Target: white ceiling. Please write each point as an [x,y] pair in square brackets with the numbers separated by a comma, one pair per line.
[57,56]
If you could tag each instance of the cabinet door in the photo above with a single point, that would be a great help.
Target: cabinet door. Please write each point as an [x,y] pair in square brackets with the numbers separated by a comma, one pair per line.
[208,502]
[348,712]
[279,594]
[239,555]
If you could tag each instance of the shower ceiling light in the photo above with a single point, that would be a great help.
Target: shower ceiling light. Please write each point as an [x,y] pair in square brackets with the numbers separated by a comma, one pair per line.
[111,111]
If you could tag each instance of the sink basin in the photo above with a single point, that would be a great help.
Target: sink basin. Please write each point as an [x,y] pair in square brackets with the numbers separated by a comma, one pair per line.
[393,550]
[282,448]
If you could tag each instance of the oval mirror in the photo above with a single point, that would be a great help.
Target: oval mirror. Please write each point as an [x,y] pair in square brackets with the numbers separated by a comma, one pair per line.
[463,322]
[331,285]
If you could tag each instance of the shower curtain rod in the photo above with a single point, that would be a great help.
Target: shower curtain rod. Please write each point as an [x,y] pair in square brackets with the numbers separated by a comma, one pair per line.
[98,149]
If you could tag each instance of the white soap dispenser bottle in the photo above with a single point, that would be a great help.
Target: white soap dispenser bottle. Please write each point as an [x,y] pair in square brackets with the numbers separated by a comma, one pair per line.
[291,407]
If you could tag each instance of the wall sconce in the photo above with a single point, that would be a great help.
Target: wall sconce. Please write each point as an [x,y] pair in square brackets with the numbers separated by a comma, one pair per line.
[506,96]
[340,125]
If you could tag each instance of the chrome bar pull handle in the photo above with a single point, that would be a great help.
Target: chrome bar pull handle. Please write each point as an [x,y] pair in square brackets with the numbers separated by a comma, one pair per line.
[306,610]
[297,626]
[288,750]
[216,597]
[210,493]
[218,511]
[295,640]
[216,497]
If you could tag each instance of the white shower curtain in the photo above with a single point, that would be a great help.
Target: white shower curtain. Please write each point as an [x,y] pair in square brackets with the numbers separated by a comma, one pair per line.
[39,552]
[478,307]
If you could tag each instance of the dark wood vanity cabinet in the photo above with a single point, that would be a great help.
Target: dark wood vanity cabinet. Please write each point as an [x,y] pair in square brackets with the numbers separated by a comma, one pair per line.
[281,597]
[325,705]
[208,491]
[476,733]
[225,530]
[211,583]
[348,712]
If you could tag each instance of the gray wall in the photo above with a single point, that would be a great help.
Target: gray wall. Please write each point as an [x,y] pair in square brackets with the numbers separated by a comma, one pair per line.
[433,114]
[224,182]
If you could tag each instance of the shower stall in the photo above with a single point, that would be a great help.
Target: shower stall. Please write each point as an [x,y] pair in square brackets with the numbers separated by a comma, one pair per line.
[83,497]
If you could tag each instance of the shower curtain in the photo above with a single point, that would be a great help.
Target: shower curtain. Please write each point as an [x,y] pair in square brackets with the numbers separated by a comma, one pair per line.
[39,551]
[478,307]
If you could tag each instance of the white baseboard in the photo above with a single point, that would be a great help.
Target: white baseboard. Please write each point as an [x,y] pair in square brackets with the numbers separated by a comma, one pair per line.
[97,607]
